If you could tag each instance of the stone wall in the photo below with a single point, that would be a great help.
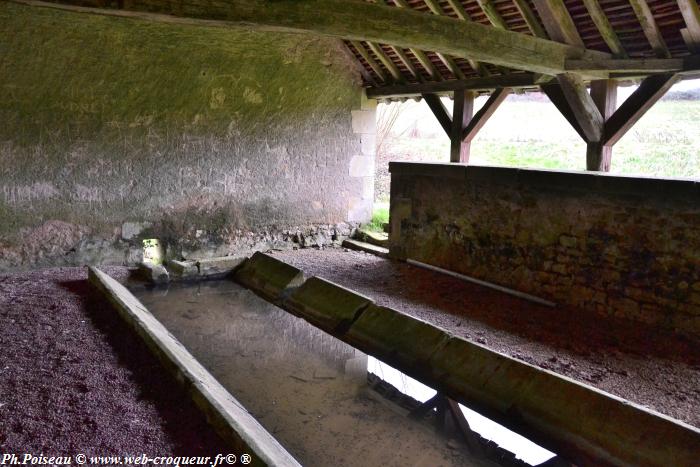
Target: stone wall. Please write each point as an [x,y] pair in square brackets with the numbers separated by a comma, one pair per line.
[215,140]
[615,246]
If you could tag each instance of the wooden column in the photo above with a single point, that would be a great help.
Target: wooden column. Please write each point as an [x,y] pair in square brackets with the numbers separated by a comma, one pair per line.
[462,113]
[604,95]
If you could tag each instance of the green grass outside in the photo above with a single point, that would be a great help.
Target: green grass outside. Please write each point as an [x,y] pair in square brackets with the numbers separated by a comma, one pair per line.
[380,216]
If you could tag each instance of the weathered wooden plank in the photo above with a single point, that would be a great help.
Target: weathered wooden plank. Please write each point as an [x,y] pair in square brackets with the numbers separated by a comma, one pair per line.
[647,94]
[482,116]
[557,22]
[605,28]
[691,15]
[461,116]
[650,28]
[530,19]
[363,21]
[515,80]
[440,112]
[582,106]
[227,416]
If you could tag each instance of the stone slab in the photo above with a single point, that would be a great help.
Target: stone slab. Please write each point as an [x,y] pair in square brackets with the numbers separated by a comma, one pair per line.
[183,270]
[154,273]
[220,266]
[592,427]
[268,276]
[366,247]
[236,426]
[401,340]
[329,306]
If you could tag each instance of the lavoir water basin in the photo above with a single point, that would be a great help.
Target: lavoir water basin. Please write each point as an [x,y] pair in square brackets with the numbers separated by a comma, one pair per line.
[326,402]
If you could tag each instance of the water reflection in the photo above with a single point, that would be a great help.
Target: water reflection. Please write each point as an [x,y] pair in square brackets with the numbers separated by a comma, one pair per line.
[314,393]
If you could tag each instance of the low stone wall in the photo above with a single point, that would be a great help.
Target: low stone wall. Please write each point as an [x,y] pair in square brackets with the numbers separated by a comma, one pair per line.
[616,246]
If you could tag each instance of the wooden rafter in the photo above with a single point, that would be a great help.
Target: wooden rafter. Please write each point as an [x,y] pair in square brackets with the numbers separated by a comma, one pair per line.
[492,14]
[557,22]
[691,15]
[650,28]
[449,63]
[386,61]
[605,28]
[357,45]
[419,54]
[530,19]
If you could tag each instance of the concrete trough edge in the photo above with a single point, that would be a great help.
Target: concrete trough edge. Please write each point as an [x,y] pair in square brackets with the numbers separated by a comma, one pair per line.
[223,412]
[599,446]
[256,271]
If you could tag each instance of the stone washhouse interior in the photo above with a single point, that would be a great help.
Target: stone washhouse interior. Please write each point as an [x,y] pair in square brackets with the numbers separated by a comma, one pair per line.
[191,271]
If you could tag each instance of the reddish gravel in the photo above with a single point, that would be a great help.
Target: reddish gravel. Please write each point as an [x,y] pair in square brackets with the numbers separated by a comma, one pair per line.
[74,379]
[652,368]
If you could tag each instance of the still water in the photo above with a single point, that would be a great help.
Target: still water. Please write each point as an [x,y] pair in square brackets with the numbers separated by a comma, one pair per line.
[326,402]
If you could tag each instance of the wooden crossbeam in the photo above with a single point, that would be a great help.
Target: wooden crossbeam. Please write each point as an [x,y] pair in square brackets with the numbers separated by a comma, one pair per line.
[514,80]
[637,104]
[557,22]
[473,127]
[626,65]
[605,28]
[650,28]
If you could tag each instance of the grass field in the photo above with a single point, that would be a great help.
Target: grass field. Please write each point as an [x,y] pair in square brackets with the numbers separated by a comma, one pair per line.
[664,143]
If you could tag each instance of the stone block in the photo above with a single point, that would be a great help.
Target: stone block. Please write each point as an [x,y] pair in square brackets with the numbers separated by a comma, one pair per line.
[359,210]
[364,121]
[329,306]
[368,143]
[182,269]
[367,103]
[361,166]
[400,340]
[220,266]
[368,188]
[131,230]
[154,273]
[268,276]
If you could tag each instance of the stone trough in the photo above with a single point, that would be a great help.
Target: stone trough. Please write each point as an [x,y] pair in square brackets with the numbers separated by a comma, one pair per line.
[584,425]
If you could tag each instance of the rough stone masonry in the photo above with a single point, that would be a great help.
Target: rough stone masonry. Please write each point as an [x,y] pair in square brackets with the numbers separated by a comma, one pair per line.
[214,140]
[622,246]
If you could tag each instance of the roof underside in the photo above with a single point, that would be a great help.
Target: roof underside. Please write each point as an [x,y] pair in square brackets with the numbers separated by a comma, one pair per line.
[628,25]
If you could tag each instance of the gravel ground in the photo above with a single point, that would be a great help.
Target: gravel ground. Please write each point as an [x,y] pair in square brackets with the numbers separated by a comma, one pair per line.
[74,379]
[658,370]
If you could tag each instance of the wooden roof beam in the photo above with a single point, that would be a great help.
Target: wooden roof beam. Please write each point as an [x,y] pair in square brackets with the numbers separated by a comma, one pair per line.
[530,19]
[650,28]
[605,28]
[648,66]
[355,20]
[492,14]
[370,61]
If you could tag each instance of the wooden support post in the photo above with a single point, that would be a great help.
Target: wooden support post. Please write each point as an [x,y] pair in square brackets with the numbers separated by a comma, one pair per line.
[461,116]
[604,95]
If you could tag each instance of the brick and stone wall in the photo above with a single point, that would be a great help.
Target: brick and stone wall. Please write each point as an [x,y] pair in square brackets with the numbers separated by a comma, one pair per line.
[615,246]
[215,140]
